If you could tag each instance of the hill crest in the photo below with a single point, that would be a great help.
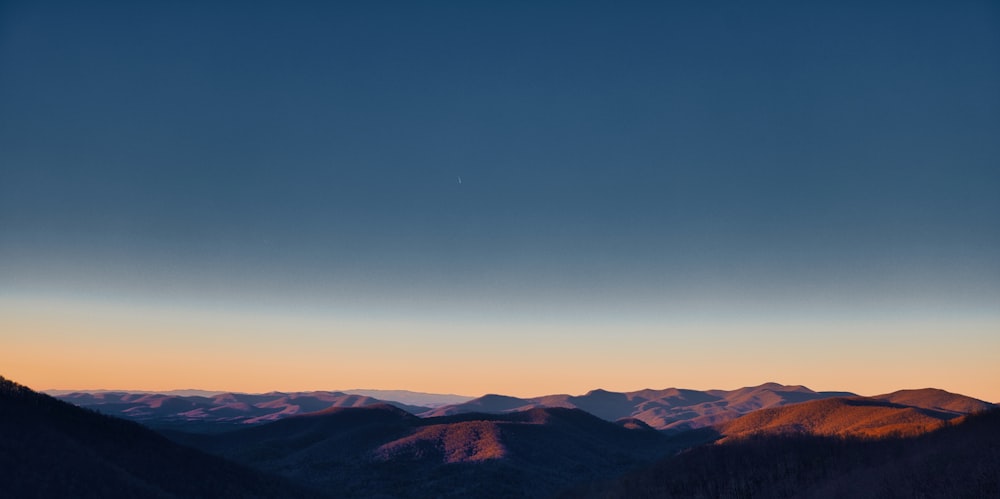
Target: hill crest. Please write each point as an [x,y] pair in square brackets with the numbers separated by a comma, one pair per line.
[870,417]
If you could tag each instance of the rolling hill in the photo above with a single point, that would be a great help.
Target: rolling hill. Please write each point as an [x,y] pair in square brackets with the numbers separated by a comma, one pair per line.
[837,417]
[869,417]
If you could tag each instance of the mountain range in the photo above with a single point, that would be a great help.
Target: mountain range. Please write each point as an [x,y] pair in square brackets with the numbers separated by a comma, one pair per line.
[765,441]
[674,409]
[406,397]
[671,409]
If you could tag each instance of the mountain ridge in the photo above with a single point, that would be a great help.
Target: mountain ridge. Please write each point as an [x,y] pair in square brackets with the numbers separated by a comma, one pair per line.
[50,448]
[220,410]
[671,409]
[837,417]
[668,409]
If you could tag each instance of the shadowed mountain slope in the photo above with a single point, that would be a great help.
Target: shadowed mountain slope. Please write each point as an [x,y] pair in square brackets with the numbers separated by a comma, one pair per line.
[669,409]
[383,451]
[50,448]
[960,460]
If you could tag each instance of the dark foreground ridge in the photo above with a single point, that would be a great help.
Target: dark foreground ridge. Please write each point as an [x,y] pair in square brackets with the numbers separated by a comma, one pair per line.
[50,448]
[959,460]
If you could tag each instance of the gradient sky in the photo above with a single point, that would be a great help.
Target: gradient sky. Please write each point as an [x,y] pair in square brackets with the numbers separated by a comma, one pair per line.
[262,196]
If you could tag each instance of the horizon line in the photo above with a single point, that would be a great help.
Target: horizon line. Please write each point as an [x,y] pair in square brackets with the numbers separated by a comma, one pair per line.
[107,390]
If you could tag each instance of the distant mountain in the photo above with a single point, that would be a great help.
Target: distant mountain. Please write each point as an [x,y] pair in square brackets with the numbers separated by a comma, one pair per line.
[381,451]
[412,398]
[957,460]
[491,403]
[182,392]
[50,448]
[225,409]
[404,397]
[672,409]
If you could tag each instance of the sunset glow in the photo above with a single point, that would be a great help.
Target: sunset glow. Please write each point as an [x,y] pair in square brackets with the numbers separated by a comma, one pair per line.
[480,198]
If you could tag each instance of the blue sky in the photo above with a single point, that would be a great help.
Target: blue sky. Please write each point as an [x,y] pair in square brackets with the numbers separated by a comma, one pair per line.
[662,164]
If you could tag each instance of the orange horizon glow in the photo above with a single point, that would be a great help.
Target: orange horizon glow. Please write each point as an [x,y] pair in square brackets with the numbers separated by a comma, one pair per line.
[87,346]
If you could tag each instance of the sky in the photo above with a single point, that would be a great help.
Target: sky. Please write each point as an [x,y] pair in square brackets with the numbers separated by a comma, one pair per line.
[500,197]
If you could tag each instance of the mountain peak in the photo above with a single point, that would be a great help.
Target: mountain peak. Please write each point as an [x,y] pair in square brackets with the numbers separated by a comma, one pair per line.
[771,385]
[371,409]
[495,397]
